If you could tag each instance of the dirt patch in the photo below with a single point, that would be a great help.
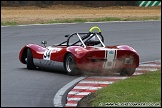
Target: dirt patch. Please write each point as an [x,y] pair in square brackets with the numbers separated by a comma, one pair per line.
[32,14]
[86,101]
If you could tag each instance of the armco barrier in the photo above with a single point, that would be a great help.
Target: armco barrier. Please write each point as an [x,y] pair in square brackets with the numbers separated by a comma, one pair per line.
[149,3]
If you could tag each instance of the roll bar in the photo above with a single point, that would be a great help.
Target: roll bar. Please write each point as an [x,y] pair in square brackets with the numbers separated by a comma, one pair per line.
[86,35]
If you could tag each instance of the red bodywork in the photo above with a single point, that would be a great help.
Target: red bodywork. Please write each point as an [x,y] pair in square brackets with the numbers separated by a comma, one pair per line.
[88,58]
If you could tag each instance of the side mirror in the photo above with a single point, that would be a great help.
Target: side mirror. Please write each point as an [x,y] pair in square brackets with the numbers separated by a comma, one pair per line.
[66,35]
[44,43]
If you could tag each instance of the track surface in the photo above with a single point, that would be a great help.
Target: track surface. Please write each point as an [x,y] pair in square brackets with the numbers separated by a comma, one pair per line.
[26,88]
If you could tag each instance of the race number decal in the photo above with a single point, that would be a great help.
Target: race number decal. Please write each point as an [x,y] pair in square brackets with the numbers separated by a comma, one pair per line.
[47,54]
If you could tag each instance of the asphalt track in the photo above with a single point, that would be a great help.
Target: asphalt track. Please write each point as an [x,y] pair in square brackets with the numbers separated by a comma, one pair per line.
[34,88]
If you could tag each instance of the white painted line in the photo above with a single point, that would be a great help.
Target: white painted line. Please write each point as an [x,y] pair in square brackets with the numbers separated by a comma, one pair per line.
[84,93]
[97,82]
[147,69]
[87,87]
[57,101]
[37,24]
[96,22]
[150,61]
[76,99]
[68,104]
[73,92]
[110,77]
[137,73]
[149,65]
[78,93]
[119,21]
[78,23]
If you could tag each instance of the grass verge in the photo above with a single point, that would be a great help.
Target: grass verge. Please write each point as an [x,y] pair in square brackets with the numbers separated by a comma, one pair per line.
[8,23]
[139,90]
[81,20]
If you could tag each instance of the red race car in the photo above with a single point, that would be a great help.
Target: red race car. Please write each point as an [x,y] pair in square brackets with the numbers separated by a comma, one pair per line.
[81,52]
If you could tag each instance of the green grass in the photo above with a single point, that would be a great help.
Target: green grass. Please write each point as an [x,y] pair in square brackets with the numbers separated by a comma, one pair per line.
[144,88]
[8,23]
[81,20]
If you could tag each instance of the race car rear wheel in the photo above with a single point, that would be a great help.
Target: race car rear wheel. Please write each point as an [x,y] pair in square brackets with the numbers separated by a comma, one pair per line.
[70,65]
[127,71]
[30,64]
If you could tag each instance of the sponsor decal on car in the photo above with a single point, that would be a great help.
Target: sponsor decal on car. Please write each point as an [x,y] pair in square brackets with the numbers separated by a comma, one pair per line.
[110,55]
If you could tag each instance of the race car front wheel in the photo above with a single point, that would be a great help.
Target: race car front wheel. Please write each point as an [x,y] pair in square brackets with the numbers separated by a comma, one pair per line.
[30,64]
[70,65]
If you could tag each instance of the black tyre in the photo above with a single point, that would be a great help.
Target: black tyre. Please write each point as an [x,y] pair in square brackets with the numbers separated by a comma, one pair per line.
[127,71]
[30,64]
[70,65]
